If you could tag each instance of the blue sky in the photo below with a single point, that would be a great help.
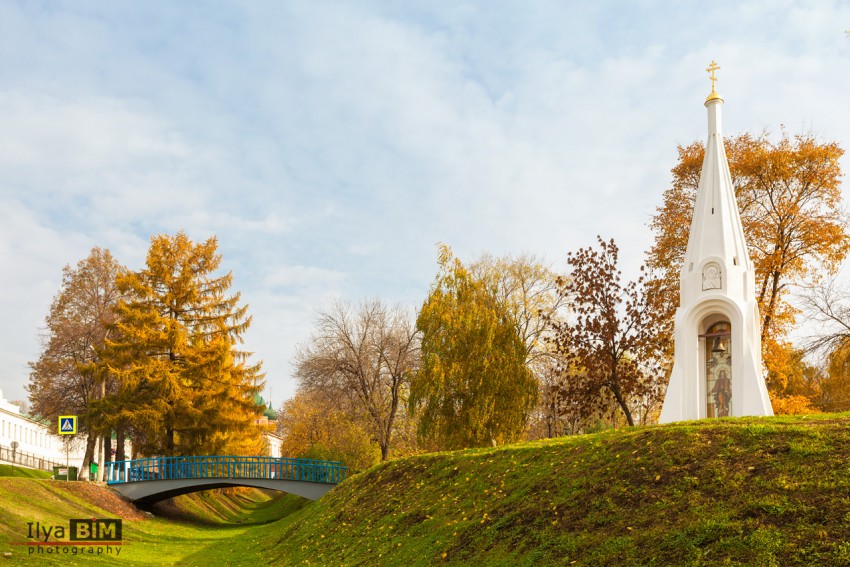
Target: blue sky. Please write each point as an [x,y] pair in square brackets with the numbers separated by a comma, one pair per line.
[331,145]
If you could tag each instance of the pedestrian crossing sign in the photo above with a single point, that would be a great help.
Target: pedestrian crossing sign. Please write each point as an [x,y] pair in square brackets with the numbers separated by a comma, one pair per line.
[67,425]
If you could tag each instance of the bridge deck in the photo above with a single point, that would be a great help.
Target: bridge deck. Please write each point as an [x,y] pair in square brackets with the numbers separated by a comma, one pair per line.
[161,477]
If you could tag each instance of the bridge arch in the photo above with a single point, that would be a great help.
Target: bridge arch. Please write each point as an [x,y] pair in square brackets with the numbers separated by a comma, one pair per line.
[150,480]
[150,491]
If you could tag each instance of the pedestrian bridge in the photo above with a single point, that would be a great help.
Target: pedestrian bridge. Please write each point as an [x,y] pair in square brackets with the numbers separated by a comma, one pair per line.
[149,480]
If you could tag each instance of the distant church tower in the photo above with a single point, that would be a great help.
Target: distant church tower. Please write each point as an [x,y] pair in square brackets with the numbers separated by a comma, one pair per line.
[717,368]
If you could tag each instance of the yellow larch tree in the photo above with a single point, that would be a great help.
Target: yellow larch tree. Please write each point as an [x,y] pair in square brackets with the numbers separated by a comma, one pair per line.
[183,385]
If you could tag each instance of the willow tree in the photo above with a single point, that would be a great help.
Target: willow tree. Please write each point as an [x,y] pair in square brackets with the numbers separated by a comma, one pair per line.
[789,197]
[473,387]
[81,319]
[528,289]
[183,385]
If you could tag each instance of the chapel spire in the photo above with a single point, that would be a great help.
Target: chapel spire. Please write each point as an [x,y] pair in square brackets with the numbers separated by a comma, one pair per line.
[716,229]
[717,369]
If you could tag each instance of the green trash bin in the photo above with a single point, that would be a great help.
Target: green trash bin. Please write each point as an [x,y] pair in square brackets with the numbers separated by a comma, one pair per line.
[65,473]
[93,471]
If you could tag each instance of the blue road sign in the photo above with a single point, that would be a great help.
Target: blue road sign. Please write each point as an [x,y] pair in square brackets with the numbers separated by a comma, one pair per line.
[67,424]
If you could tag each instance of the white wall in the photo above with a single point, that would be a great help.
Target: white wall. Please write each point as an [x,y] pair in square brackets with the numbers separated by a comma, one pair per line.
[37,438]
[274,444]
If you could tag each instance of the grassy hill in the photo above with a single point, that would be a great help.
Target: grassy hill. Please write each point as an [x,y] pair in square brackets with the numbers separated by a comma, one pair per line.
[231,506]
[9,470]
[754,491]
[769,491]
[147,540]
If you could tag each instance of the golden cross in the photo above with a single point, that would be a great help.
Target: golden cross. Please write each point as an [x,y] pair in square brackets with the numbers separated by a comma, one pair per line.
[711,69]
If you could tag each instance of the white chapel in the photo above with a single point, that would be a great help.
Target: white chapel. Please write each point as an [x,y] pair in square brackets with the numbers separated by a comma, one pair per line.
[717,368]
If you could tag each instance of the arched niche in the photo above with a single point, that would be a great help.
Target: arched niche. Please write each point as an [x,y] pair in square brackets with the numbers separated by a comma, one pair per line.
[716,344]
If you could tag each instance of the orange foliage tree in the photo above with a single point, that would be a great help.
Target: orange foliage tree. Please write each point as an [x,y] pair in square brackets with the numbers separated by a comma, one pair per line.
[789,196]
[313,425]
[81,319]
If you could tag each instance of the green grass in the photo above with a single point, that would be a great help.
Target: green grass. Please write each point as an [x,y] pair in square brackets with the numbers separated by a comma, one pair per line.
[230,506]
[9,470]
[769,491]
[752,491]
[147,540]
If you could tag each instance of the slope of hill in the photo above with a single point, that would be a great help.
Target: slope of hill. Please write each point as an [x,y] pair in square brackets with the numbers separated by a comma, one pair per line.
[768,491]
[229,506]
[34,505]
[9,470]
[25,502]
[753,491]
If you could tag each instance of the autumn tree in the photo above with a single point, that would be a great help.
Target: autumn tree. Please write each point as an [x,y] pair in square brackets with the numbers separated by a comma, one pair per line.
[558,413]
[527,288]
[835,385]
[81,319]
[789,197]
[314,426]
[183,385]
[611,342]
[827,305]
[365,356]
[474,387]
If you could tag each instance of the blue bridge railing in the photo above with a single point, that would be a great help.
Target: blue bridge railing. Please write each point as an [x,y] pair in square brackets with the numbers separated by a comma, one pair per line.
[233,467]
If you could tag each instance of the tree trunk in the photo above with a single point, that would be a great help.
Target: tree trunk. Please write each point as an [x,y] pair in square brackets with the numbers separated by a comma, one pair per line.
[622,403]
[107,449]
[771,307]
[169,442]
[101,473]
[388,432]
[91,442]
[119,444]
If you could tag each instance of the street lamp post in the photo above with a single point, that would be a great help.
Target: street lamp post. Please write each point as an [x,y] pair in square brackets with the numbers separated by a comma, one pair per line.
[14,446]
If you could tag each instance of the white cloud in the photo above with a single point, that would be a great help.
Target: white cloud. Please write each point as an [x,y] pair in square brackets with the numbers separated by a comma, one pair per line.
[330,145]
[80,135]
[303,276]
[31,261]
